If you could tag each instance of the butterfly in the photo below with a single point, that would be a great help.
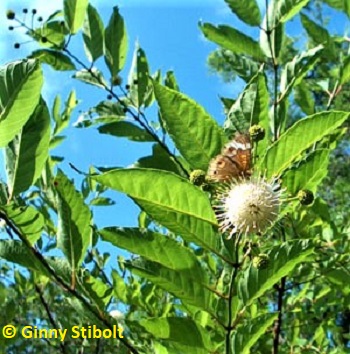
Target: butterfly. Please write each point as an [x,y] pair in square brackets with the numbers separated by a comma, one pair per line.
[233,162]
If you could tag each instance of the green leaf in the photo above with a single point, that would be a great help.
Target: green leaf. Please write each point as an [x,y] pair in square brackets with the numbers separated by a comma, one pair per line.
[232,39]
[20,87]
[248,13]
[282,260]
[27,154]
[159,160]
[116,43]
[309,173]
[98,291]
[74,221]
[127,130]
[248,334]
[62,120]
[345,71]
[295,70]
[26,219]
[93,32]
[320,35]
[287,9]
[155,247]
[50,34]
[303,97]
[170,200]
[303,134]
[16,252]
[57,60]
[74,13]
[184,333]
[339,277]
[195,133]
[170,81]
[139,81]
[93,77]
[101,201]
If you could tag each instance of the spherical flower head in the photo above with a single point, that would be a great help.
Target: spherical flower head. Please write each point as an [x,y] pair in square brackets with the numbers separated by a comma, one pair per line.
[249,206]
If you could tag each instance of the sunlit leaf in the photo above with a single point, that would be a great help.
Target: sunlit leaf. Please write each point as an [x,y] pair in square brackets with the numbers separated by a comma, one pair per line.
[232,39]
[249,13]
[20,87]
[195,133]
[93,32]
[57,60]
[74,13]
[300,137]
[170,200]
[115,43]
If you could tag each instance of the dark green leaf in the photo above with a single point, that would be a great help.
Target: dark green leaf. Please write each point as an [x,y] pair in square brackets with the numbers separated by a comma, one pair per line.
[195,133]
[93,32]
[57,60]
[282,260]
[27,154]
[127,130]
[232,39]
[74,221]
[248,13]
[247,334]
[304,98]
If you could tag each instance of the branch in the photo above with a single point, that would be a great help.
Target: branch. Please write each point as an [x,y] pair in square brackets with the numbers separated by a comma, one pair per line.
[278,323]
[98,315]
[49,315]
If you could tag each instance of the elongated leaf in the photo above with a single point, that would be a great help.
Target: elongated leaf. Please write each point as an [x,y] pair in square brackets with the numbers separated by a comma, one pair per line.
[139,81]
[248,334]
[93,32]
[309,173]
[189,336]
[232,39]
[62,120]
[249,13]
[300,137]
[74,13]
[178,283]
[50,35]
[116,43]
[57,60]
[157,248]
[26,219]
[20,87]
[287,9]
[282,260]
[345,71]
[304,98]
[92,77]
[127,130]
[168,199]
[195,133]
[320,35]
[74,221]
[27,154]
[295,70]
[159,160]
[18,253]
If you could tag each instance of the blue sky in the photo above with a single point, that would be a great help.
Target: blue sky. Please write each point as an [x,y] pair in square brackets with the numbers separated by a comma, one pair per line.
[168,32]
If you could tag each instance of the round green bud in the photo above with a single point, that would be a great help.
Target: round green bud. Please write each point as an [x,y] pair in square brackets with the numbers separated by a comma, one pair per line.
[256,132]
[305,197]
[10,14]
[197,177]
[261,261]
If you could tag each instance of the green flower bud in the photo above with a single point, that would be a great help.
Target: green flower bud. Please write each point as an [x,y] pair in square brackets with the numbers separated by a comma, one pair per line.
[261,261]
[305,197]
[10,14]
[117,80]
[256,132]
[197,177]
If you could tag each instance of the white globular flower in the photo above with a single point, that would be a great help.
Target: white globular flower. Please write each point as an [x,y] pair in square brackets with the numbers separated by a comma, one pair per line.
[248,206]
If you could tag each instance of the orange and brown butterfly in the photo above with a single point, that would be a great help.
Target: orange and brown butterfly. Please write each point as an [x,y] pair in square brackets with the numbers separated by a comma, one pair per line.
[233,162]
